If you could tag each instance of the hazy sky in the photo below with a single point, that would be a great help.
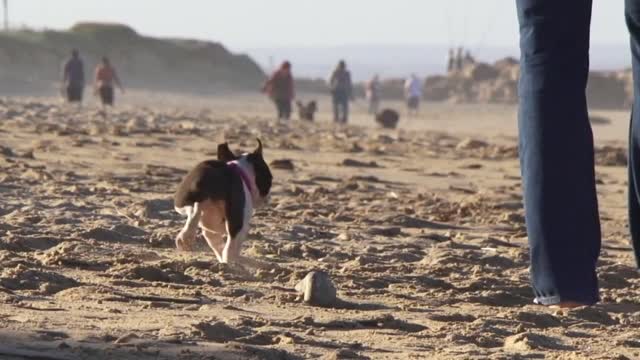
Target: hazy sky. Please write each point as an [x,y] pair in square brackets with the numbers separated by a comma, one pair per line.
[242,24]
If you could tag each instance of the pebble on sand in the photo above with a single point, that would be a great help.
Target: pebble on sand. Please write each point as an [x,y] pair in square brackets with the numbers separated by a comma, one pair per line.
[282,164]
[317,289]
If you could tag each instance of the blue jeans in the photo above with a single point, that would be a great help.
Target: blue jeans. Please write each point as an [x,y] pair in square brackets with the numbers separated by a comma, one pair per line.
[556,148]
[340,107]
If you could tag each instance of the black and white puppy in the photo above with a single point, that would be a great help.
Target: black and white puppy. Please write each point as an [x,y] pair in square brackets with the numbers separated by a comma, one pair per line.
[219,196]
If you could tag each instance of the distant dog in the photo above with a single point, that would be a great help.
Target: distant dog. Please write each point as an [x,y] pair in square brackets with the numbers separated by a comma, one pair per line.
[388,118]
[219,196]
[307,112]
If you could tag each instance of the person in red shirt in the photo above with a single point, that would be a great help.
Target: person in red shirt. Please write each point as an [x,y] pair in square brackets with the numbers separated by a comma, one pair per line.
[279,87]
[105,78]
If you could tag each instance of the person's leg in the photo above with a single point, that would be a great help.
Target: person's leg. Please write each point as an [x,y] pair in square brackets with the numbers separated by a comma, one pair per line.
[80,96]
[107,95]
[410,106]
[102,92]
[345,109]
[278,103]
[632,16]
[112,96]
[336,108]
[286,107]
[556,151]
[69,94]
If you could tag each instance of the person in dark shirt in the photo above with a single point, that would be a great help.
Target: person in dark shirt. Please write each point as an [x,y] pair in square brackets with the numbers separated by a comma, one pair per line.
[73,78]
[341,92]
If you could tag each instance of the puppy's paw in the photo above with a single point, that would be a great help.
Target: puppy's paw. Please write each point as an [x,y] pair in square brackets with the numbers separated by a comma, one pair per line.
[185,241]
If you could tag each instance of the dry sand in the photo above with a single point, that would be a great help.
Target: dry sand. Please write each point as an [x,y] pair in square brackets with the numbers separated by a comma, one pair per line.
[425,244]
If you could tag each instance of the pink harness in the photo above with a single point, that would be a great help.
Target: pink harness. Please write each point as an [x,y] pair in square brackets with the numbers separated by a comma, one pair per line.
[244,176]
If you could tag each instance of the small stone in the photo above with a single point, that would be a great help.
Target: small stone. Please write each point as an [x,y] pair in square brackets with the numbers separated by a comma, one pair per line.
[136,124]
[282,164]
[343,237]
[471,144]
[357,163]
[317,289]
[217,331]
[385,231]
[126,338]
[343,354]
[531,341]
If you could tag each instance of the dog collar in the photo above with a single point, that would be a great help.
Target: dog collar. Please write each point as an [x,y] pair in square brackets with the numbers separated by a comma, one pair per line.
[235,166]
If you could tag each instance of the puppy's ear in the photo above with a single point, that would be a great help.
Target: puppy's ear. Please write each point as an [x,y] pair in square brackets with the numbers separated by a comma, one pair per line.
[258,151]
[225,154]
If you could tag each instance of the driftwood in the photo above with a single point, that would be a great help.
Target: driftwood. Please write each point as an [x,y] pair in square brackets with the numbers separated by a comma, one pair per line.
[4,290]
[159,298]
[31,307]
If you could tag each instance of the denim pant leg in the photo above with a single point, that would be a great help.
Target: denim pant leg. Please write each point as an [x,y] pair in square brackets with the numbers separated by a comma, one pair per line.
[556,150]
[336,108]
[632,16]
[286,109]
[278,108]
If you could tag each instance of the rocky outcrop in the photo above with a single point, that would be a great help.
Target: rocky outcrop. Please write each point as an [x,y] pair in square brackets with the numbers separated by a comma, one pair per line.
[498,83]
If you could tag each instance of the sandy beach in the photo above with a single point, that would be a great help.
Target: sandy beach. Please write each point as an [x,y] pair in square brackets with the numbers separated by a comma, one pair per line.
[421,230]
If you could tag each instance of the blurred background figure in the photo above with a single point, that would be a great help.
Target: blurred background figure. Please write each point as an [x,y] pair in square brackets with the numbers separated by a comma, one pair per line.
[341,92]
[468,58]
[105,78]
[451,61]
[459,59]
[73,78]
[372,92]
[413,94]
[279,87]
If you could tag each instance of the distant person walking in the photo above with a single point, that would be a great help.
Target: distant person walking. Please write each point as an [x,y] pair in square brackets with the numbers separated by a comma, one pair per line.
[341,92]
[451,61]
[279,87]
[413,94]
[459,59]
[73,78]
[105,78]
[373,94]
[468,58]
